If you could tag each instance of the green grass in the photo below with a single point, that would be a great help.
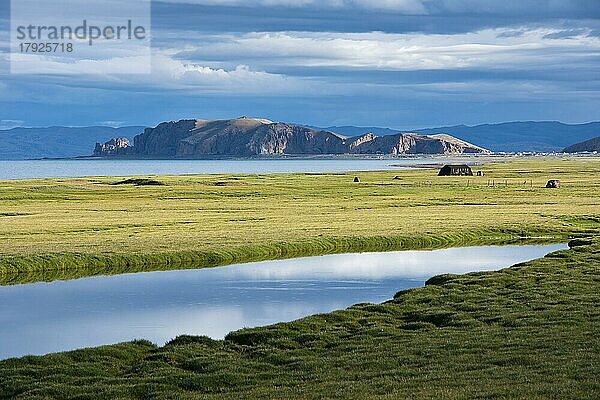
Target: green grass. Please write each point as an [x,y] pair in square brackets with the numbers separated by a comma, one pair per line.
[527,332]
[68,228]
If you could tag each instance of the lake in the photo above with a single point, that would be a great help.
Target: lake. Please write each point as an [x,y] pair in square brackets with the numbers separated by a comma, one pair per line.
[99,167]
[49,317]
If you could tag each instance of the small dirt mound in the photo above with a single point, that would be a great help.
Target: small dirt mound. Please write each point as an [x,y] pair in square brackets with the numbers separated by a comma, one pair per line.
[580,242]
[139,182]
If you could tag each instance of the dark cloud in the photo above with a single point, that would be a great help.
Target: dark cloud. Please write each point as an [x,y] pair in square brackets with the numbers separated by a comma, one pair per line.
[567,34]
[533,9]
[594,33]
[511,33]
[4,15]
[442,17]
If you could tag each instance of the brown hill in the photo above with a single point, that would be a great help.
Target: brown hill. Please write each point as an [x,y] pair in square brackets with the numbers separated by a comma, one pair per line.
[246,137]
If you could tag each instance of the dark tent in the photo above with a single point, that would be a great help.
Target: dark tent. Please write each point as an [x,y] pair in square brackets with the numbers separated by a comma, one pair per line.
[456,170]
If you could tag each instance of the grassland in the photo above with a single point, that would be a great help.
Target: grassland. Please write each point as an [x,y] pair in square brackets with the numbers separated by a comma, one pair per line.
[528,332]
[67,228]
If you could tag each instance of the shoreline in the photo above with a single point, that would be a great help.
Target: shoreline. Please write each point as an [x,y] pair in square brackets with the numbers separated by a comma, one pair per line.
[349,156]
[15,270]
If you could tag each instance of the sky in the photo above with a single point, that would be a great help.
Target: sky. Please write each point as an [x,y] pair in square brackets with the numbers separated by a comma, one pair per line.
[393,63]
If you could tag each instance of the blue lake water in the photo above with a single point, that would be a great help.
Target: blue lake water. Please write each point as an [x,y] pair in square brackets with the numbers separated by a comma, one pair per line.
[97,167]
[49,317]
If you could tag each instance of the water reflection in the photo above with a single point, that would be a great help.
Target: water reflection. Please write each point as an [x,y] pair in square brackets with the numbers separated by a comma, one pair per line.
[49,317]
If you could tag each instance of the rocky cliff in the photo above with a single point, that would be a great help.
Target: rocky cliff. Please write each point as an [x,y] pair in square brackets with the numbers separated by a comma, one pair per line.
[587,146]
[246,137]
[116,146]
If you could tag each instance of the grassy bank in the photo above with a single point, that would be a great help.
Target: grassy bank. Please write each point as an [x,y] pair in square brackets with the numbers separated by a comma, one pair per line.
[528,332]
[68,228]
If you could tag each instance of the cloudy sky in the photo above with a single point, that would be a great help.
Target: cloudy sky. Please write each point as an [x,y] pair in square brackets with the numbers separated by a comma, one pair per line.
[395,63]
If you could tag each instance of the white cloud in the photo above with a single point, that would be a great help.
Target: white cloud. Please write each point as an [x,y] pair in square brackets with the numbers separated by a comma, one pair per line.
[167,73]
[10,123]
[42,65]
[403,52]
[176,74]
[112,124]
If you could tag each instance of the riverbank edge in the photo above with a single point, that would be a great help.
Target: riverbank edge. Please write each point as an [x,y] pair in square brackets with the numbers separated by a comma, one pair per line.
[33,268]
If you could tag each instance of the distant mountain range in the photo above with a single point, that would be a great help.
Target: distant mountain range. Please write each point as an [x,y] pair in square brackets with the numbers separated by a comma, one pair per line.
[509,137]
[59,142]
[247,137]
[591,145]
